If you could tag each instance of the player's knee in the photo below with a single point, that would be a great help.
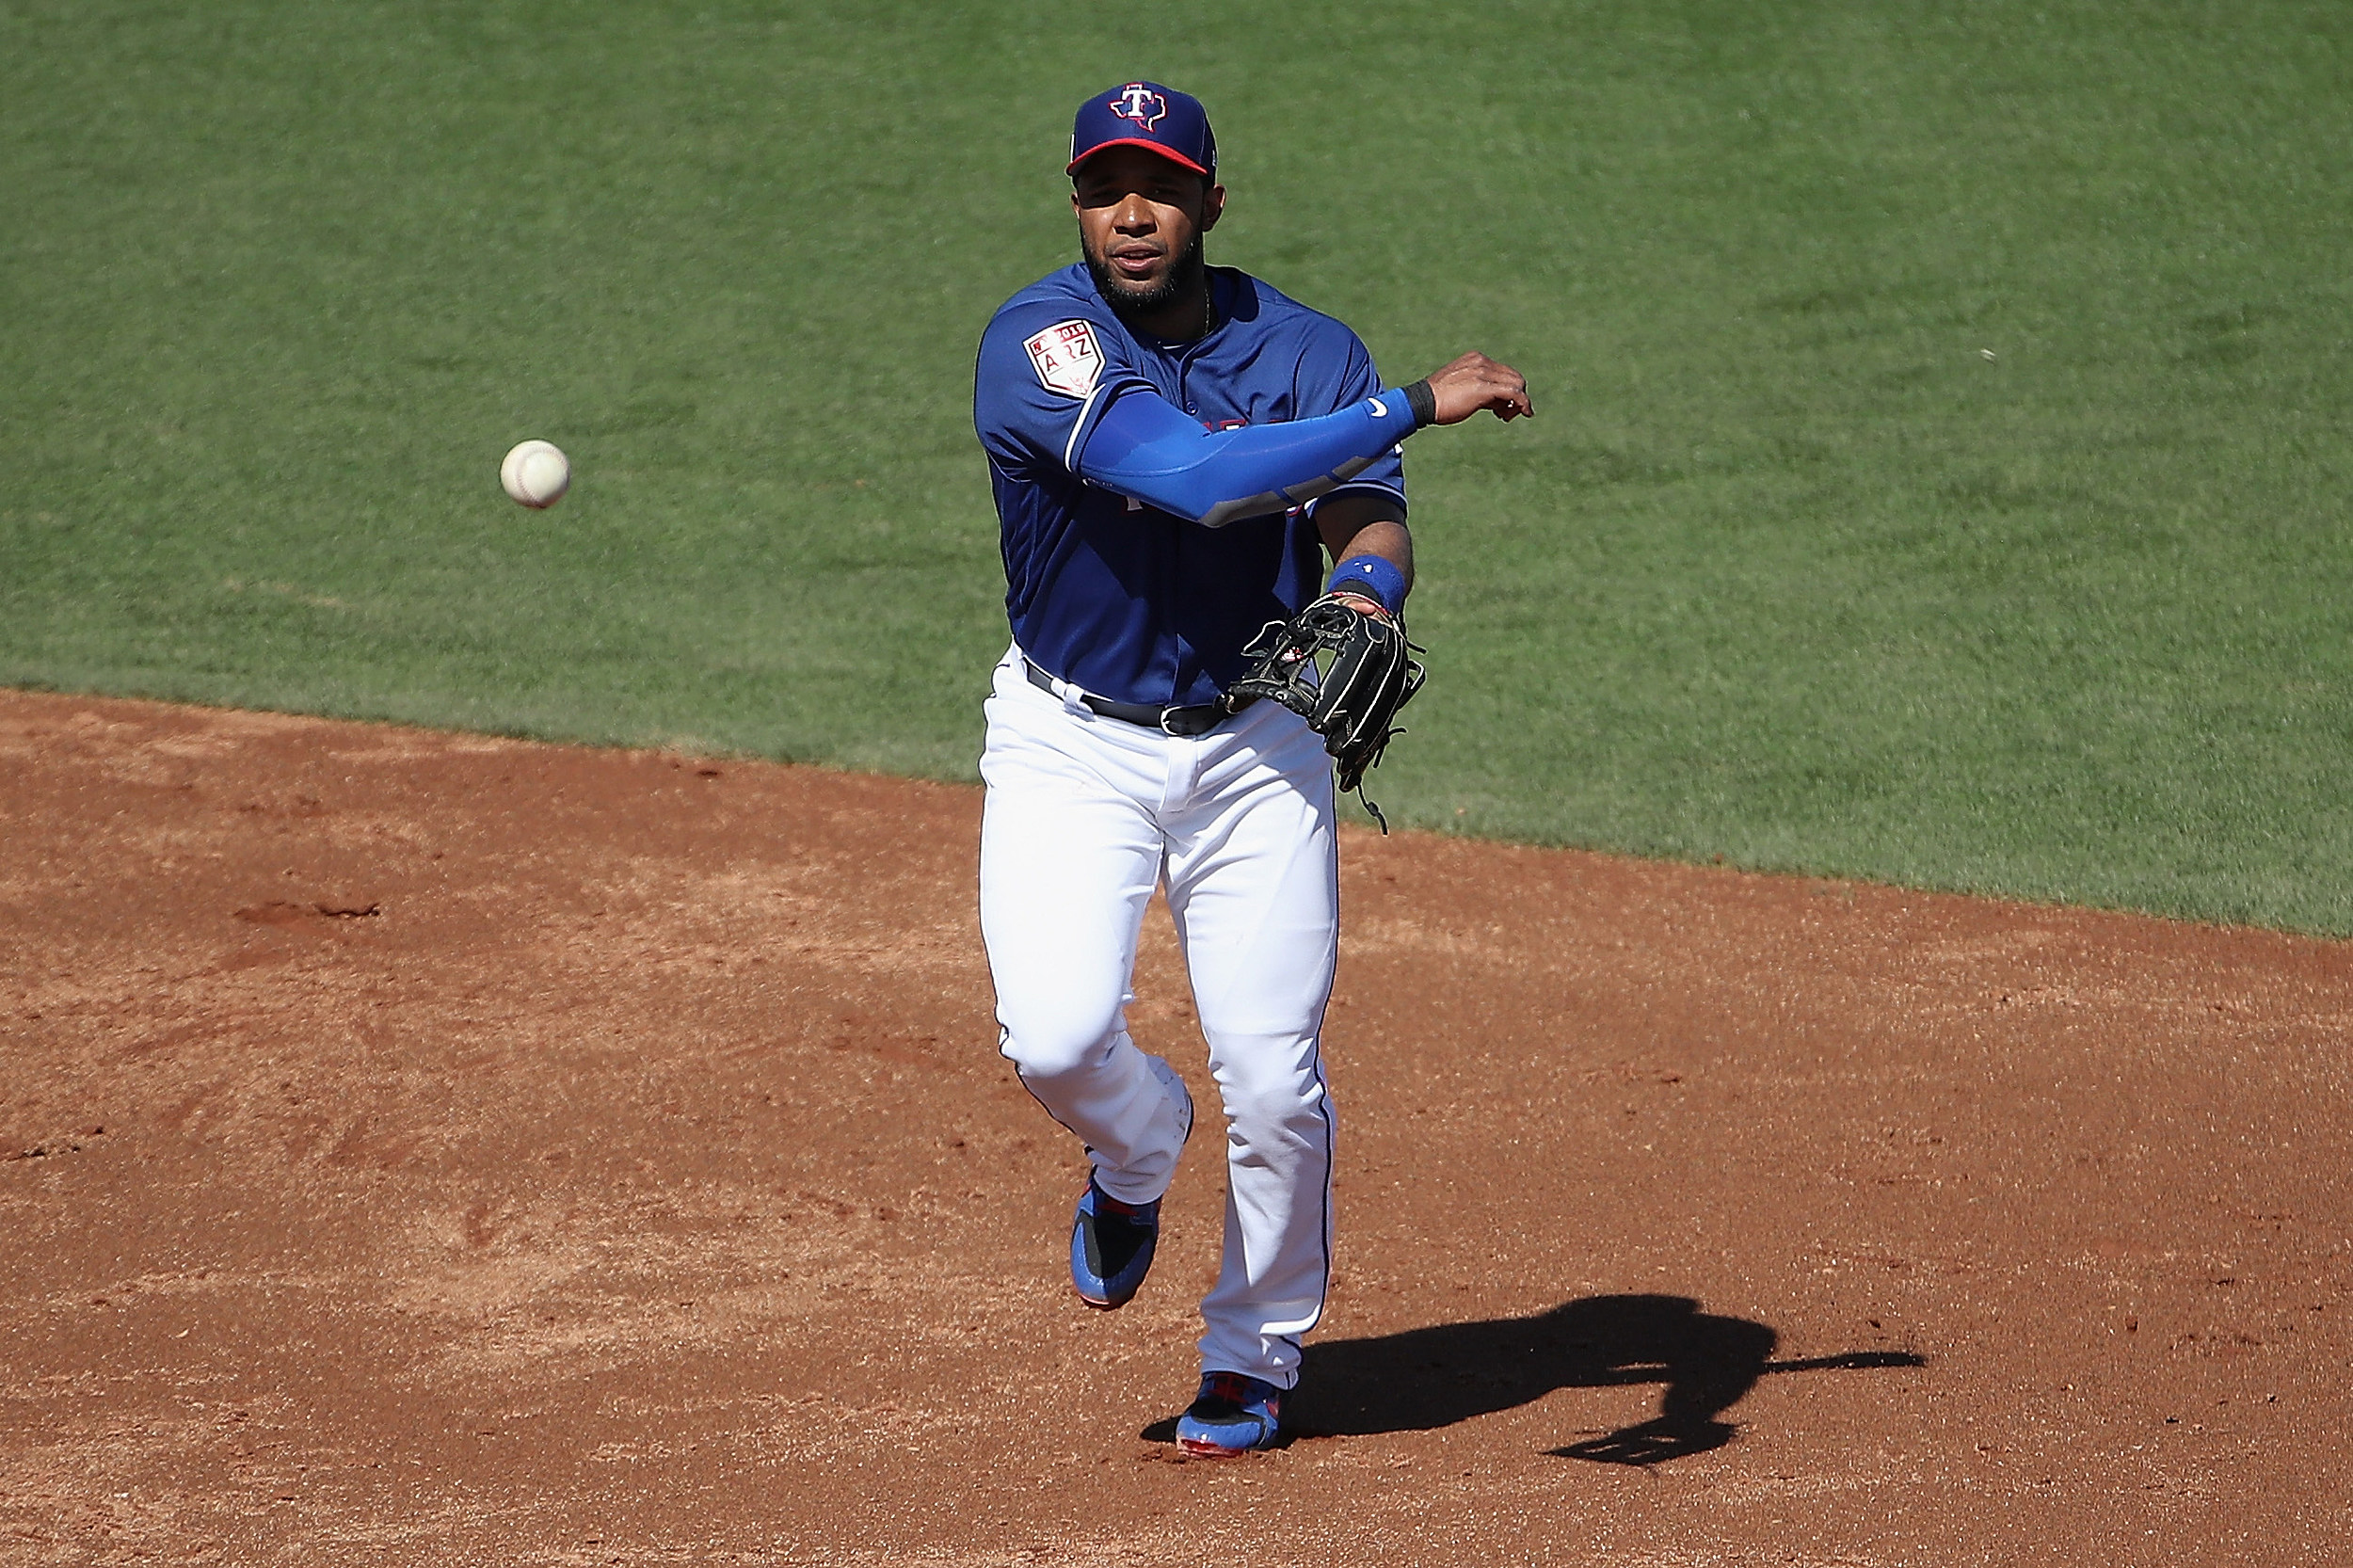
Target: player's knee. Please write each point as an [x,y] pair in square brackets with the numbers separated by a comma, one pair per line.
[1271,1097]
[1050,1043]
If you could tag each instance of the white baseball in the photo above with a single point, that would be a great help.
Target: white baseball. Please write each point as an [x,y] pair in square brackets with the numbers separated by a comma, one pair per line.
[536,473]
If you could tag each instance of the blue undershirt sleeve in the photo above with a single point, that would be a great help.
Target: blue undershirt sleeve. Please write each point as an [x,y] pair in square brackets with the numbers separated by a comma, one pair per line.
[1146,447]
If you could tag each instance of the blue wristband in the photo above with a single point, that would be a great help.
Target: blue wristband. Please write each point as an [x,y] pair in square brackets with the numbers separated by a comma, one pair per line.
[1374,577]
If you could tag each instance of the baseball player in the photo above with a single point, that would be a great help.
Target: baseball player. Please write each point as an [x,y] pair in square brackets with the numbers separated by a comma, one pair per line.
[1174,447]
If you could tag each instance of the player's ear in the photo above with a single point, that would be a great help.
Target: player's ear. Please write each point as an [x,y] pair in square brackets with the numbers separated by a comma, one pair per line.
[1213,206]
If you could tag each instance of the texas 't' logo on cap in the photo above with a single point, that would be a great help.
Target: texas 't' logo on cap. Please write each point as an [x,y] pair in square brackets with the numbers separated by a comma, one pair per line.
[1147,114]
[1137,102]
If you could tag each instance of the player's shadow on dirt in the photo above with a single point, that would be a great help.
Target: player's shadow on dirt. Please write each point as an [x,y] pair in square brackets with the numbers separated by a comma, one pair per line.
[1427,1378]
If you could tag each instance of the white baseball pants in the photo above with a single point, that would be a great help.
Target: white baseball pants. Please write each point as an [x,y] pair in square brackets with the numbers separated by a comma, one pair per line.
[1084,816]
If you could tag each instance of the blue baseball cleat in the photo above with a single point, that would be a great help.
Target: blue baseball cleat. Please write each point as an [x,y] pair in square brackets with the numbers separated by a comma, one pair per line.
[1232,1415]
[1110,1247]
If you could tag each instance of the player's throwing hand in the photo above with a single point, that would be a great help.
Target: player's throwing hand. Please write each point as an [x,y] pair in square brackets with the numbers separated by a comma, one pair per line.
[1473,382]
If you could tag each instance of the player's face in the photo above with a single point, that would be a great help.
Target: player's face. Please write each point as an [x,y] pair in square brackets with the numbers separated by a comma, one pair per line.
[1141,218]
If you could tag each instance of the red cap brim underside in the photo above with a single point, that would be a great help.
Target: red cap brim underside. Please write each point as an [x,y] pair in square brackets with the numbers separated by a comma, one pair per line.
[1170,153]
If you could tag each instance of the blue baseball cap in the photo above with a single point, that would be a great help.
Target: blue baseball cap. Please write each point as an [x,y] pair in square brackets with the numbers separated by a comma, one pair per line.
[1147,114]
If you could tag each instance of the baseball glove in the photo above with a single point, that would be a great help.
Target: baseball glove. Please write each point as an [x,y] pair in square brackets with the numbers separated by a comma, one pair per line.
[1344,668]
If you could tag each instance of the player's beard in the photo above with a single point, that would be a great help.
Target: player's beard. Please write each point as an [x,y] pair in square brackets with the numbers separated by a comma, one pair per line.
[1181,283]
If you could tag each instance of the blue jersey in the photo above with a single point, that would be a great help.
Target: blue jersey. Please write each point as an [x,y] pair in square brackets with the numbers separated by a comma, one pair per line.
[1125,601]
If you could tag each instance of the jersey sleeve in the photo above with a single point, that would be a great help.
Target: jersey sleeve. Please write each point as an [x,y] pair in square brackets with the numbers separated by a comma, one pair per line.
[1047,372]
[1336,371]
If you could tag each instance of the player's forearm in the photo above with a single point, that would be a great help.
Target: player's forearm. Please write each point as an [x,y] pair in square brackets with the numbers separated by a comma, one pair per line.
[1372,553]
[1148,448]
[1357,522]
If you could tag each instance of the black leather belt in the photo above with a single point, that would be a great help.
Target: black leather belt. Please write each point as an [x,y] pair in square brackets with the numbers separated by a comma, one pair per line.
[1198,720]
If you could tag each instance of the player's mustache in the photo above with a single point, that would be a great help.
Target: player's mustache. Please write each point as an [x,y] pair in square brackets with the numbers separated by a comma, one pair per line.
[1179,280]
[1125,248]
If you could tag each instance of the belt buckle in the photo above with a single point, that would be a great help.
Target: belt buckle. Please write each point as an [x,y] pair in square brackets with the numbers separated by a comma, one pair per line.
[1173,733]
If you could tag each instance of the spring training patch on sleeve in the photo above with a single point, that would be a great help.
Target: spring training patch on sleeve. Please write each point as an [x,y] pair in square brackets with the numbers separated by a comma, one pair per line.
[1066,358]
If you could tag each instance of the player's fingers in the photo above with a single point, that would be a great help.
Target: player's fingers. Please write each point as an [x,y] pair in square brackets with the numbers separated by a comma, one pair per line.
[1515,395]
[1510,399]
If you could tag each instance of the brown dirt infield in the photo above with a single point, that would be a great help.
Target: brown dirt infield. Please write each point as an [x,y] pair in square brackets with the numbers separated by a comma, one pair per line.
[435,1149]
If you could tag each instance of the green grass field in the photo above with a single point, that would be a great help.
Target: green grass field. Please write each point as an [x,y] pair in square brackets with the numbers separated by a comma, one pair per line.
[1939,476]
